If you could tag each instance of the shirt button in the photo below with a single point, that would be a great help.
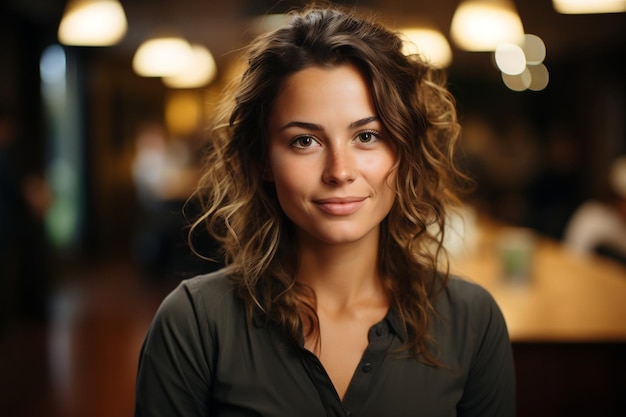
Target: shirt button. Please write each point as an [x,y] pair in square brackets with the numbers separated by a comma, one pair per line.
[381,330]
[367,367]
[348,413]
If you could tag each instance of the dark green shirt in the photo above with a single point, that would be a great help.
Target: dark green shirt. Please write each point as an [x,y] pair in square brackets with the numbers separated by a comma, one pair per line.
[202,357]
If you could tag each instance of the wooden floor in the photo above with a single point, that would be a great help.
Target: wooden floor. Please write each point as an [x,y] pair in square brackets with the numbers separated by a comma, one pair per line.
[82,361]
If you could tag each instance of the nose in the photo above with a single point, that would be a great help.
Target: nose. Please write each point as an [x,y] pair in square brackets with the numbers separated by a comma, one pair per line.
[340,166]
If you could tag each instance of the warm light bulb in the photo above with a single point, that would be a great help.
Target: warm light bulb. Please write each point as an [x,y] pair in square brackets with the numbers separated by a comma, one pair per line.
[93,23]
[162,57]
[534,49]
[199,71]
[589,6]
[510,58]
[518,82]
[429,43]
[539,77]
[482,25]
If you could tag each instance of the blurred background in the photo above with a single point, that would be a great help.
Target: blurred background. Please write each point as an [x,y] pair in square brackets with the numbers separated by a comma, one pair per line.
[100,147]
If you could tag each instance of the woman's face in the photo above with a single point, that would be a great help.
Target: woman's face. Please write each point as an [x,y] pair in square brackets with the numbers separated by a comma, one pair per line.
[329,157]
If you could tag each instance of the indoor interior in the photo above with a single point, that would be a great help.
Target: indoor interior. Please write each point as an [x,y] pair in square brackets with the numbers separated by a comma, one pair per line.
[98,161]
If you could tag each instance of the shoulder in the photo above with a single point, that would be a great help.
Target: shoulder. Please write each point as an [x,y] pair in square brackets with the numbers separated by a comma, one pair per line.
[472,338]
[180,352]
[464,294]
[205,297]
[466,308]
[215,286]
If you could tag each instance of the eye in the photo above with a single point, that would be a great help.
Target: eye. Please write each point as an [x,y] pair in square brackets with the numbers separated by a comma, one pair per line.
[303,142]
[369,136]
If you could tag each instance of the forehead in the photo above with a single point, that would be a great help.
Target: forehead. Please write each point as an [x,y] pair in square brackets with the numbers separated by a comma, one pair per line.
[324,92]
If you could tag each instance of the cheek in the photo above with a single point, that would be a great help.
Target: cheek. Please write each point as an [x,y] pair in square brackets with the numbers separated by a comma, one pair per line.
[387,179]
[291,194]
[390,190]
[286,186]
[287,176]
[381,169]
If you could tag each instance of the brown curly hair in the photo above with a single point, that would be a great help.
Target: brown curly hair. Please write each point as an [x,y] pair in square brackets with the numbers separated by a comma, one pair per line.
[241,210]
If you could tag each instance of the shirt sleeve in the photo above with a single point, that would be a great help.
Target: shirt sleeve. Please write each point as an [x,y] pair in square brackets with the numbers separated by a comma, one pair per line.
[490,387]
[173,378]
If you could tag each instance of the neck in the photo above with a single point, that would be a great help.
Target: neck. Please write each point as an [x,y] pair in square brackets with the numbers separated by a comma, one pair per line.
[341,275]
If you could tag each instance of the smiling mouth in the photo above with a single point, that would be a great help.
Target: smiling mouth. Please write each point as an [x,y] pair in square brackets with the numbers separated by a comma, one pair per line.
[341,206]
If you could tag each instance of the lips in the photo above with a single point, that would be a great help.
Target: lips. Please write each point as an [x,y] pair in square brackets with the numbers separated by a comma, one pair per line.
[340,206]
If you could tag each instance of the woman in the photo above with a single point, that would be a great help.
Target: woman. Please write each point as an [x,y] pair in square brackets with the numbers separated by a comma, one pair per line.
[327,183]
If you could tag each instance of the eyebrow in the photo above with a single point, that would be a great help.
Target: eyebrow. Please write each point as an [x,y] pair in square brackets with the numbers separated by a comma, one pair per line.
[316,127]
[363,122]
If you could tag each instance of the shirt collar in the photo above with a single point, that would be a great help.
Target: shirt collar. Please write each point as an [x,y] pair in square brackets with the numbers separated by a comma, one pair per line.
[396,324]
[260,319]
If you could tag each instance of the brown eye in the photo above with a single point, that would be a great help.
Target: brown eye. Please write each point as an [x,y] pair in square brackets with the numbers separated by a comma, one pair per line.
[368,137]
[304,142]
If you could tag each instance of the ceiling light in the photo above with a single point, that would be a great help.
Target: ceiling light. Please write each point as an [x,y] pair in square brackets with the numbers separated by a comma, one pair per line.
[481,25]
[518,82]
[589,6]
[534,49]
[92,23]
[430,43]
[200,71]
[539,77]
[162,57]
[510,58]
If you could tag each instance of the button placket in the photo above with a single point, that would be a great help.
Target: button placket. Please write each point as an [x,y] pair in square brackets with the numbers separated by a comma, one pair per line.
[325,388]
[380,339]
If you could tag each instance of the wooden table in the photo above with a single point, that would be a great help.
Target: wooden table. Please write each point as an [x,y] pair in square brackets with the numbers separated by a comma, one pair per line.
[567,298]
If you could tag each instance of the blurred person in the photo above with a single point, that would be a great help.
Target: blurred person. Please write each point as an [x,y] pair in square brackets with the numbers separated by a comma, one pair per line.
[322,182]
[598,226]
[162,168]
[164,173]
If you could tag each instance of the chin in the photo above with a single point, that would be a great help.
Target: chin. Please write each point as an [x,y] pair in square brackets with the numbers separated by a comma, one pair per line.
[339,237]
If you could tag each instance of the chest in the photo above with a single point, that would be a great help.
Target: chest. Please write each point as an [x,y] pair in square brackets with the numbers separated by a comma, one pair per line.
[260,375]
[341,347]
